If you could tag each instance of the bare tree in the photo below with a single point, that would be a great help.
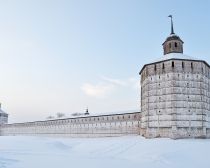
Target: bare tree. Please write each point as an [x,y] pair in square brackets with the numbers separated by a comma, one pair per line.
[60,115]
[77,114]
[50,117]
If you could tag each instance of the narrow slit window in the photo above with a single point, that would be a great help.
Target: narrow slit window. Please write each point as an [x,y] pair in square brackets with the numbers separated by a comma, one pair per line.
[182,64]
[172,64]
[191,65]
[163,66]
[175,44]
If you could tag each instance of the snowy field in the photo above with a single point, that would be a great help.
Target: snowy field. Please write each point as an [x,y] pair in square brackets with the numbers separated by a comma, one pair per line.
[123,152]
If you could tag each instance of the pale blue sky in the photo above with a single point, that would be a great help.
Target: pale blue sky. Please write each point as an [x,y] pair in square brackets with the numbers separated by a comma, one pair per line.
[61,56]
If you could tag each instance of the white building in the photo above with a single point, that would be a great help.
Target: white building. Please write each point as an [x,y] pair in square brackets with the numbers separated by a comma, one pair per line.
[3,117]
[175,94]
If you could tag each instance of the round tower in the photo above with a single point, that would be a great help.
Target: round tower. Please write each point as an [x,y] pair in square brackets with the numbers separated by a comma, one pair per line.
[175,93]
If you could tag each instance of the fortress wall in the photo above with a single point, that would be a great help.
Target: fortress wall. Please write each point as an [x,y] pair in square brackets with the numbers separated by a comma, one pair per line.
[86,126]
[175,99]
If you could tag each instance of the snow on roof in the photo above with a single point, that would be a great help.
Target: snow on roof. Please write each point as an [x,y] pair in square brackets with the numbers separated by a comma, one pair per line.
[172,56]
[175,56]
[1,111]
[85,116]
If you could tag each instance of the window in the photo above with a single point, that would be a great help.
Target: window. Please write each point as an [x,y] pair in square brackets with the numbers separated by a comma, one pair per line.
[169,45]
[163,66]
[182,64]
[155,68]
[175,44]
[191,65]
[172,64]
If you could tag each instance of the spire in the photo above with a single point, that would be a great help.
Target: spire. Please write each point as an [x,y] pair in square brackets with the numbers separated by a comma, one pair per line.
[172,26]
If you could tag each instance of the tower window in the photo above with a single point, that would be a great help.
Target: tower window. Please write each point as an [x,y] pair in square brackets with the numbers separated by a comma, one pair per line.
[175,44]
[182,64]
[172,64]
[191,65]
[163,66]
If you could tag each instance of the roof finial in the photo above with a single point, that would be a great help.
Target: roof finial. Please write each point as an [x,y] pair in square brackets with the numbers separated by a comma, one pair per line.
[172,27]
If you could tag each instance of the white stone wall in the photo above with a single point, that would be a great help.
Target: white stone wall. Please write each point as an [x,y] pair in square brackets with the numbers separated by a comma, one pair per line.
[89,126]
[175,99]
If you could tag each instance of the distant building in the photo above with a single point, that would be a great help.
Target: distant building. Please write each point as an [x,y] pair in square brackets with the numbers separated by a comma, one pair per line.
[3,116]
[175,94]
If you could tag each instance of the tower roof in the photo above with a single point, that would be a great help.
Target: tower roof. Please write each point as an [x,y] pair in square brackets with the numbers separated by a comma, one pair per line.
[1,111]
[172,37]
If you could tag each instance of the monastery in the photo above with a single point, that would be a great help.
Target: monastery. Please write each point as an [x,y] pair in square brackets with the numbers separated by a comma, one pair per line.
[175,103]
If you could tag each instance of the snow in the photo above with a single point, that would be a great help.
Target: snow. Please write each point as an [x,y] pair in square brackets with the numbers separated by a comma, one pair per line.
[1,111]
[175,56]
[123,152]
[90,115]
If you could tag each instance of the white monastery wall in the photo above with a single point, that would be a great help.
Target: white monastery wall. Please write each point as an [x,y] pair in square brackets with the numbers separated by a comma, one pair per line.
[86,126]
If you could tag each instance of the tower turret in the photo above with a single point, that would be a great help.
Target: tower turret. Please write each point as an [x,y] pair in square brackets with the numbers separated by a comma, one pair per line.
[173,43]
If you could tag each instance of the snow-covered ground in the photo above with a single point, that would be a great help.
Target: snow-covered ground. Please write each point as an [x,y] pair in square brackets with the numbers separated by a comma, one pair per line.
[123,152]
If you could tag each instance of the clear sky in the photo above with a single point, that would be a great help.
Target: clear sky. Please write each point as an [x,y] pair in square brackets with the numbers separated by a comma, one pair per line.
[65,55]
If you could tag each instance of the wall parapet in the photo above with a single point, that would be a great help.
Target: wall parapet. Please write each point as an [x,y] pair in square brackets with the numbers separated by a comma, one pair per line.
[82,126]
